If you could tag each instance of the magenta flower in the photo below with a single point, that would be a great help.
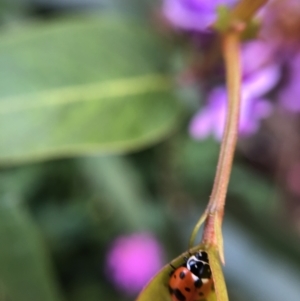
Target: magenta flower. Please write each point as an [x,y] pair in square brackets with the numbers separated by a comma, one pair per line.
[258,79]
[132,260]
[193,14]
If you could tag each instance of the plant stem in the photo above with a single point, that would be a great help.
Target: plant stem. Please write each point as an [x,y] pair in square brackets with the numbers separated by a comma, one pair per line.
[231,52]
[240,17]
[246,9]
[215,207]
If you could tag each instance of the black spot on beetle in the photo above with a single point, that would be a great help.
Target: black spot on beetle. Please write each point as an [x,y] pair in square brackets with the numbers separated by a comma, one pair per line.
[181,275]
[187,289]
[177,293]
[198,283]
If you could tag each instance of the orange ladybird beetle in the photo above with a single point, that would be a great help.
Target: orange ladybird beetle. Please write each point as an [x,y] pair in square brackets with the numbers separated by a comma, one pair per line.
[193,280]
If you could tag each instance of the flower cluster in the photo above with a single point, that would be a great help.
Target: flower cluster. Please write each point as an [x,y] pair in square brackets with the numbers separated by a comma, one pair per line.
[277,48]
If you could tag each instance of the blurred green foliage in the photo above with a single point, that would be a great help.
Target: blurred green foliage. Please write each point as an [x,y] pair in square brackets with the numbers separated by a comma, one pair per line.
[99,83]
[88,85]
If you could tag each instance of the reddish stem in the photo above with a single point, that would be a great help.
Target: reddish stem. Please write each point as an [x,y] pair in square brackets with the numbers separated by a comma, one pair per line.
[215,208]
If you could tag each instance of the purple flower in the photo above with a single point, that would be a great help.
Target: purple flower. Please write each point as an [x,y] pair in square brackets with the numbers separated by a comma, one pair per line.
[260,76]
[255,55]
[281,24]
[132,260]
[289,96]
[193,14]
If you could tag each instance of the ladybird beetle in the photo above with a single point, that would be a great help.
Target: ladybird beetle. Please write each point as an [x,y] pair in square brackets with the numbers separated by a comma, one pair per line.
[192,281]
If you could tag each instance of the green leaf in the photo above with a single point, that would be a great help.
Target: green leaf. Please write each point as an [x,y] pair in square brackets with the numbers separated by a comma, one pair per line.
[25,269]
[196,228]
[157,289]
[219,282]
[82,86]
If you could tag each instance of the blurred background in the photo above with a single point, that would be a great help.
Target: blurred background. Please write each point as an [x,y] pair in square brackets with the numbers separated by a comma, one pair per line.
[111,114]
